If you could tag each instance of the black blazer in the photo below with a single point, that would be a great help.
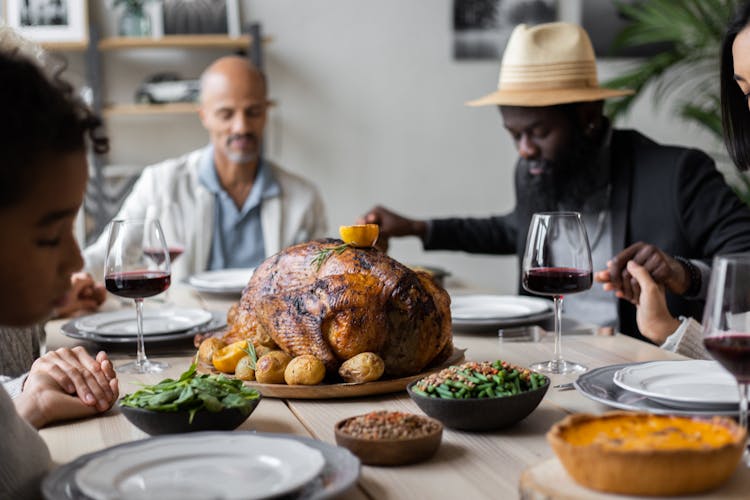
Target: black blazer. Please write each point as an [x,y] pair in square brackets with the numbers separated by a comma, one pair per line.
[671,197]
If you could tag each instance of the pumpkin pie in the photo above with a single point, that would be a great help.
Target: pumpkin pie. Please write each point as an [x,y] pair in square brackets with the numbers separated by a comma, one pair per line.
[643,454]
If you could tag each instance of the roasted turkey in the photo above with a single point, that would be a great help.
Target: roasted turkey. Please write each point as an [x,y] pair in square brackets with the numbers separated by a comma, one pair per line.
[335,302]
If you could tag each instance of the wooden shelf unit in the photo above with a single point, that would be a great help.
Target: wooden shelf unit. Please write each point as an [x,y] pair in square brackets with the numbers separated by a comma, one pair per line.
[178,41]
[65,46]
[174,108]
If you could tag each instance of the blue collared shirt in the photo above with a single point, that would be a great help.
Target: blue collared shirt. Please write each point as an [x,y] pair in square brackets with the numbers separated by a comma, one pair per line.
[237,240]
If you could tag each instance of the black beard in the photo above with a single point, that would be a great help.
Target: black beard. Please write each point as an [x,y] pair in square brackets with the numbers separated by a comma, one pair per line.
[564,184]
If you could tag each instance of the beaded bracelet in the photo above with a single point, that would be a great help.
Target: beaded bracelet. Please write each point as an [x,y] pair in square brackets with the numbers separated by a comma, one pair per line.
[694,275]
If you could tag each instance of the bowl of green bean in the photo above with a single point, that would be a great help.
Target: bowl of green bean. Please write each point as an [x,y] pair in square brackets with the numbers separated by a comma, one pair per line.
[479,396]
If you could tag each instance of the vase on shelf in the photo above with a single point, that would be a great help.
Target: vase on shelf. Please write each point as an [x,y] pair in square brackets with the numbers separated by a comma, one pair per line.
[134,22]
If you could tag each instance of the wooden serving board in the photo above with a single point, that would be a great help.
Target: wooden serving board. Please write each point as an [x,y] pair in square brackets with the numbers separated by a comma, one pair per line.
[343,390]
[548,480]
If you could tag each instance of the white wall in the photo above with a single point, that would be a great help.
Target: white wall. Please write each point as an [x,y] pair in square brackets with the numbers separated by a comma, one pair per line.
[370,107]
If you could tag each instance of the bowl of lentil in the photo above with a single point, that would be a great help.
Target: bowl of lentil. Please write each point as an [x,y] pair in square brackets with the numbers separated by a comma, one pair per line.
[389,437]
[479,396]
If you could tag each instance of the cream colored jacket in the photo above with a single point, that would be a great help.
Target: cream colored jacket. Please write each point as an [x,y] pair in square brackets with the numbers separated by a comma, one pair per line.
[295,216]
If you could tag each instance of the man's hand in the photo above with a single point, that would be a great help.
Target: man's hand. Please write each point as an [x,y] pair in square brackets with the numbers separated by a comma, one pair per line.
[75,372]
[663,269]
[392,224]
[85,295]
[653,317]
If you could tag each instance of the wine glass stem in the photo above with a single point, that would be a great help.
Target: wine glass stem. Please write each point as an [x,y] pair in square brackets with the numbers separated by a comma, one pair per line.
[558,330]
[743,387]
[141,355]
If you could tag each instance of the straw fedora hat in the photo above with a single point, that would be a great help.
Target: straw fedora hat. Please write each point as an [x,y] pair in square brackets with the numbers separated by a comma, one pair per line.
[545,65]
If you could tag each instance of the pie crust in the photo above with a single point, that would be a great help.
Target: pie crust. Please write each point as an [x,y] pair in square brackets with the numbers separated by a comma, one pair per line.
[644,454]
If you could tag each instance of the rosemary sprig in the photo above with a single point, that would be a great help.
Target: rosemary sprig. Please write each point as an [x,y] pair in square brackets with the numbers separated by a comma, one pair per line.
[250,350]
[323,254]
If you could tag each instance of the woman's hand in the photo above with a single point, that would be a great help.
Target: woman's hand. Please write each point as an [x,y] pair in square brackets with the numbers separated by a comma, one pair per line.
[85,295]
[72,373]
[43,402]
[653,317]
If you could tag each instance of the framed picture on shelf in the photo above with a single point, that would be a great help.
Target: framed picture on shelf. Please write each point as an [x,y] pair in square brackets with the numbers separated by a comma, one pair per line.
[202,17]
[48,21]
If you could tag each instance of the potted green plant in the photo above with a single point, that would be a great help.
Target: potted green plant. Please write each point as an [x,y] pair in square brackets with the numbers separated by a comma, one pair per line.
[691,31]
[134,20]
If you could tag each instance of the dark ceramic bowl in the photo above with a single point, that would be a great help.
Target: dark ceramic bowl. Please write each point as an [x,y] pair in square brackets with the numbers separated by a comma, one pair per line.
[480,414]
[390,451]
[160,422]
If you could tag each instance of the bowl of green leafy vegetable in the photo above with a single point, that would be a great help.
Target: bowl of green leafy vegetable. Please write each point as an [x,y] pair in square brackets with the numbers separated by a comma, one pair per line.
[194,402]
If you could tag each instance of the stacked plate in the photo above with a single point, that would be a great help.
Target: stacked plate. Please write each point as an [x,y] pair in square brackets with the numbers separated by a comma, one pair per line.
[161,324]
[692,387]
[223,281]
[229,465]
[489,312]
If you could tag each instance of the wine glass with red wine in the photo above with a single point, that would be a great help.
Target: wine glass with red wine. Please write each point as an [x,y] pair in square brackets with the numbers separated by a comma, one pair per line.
[137,266]
[726,321]
[557,262]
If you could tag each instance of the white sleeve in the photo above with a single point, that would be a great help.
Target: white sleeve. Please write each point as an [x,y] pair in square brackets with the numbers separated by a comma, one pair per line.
[135,207]
[687,340]
[319,221]
[13,386]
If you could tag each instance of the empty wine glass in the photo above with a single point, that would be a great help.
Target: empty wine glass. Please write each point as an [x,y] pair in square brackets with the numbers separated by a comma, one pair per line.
[557,261]
[137,266]
[726,322]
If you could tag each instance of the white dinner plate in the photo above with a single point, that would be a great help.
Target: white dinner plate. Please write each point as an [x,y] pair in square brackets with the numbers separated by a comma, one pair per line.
[339,474]
[222,280]
[597,384]
[155,321]
[497,307]
[231,466]
[682,384]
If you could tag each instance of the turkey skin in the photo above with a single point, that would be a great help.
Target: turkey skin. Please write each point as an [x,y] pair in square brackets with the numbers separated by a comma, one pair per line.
[335,302]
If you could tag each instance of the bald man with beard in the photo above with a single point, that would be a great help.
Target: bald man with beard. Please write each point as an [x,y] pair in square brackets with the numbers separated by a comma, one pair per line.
[664,207]
[236,207]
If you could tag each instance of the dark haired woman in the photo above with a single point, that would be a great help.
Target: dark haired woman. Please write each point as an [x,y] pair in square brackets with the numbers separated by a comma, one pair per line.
[684,335]
[43,176]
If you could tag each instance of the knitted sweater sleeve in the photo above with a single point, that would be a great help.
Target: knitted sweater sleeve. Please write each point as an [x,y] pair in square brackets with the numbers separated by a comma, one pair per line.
[25,457]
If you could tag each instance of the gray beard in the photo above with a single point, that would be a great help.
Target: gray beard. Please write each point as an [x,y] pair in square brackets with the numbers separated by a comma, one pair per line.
[242,158]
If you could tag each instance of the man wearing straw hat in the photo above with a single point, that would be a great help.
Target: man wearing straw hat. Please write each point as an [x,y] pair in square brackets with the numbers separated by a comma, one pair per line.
[666,207]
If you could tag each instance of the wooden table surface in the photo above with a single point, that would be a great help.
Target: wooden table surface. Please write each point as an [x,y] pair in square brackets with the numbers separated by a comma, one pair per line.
[467,465]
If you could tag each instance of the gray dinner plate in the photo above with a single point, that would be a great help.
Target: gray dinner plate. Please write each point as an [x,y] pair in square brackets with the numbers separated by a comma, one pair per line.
[492,324]
[598,384]
[69,329]
[340,472]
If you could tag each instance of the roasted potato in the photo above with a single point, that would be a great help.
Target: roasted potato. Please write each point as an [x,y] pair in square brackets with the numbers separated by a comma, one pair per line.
[270,368]
[305,370]
[364,367]
[261,350]
[245,369]
[207,349]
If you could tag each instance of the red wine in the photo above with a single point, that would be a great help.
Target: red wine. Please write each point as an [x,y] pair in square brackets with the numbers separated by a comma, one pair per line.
[733,352]
[137,284]
[556,280]
[158,256]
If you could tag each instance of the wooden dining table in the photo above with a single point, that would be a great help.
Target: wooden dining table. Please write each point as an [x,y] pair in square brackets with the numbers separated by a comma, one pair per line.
[468,465]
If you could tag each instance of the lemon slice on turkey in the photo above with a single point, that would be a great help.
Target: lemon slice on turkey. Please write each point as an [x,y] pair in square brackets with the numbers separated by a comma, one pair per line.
[361,235]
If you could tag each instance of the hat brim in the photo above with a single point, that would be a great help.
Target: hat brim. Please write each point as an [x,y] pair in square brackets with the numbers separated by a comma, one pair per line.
[535,98]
